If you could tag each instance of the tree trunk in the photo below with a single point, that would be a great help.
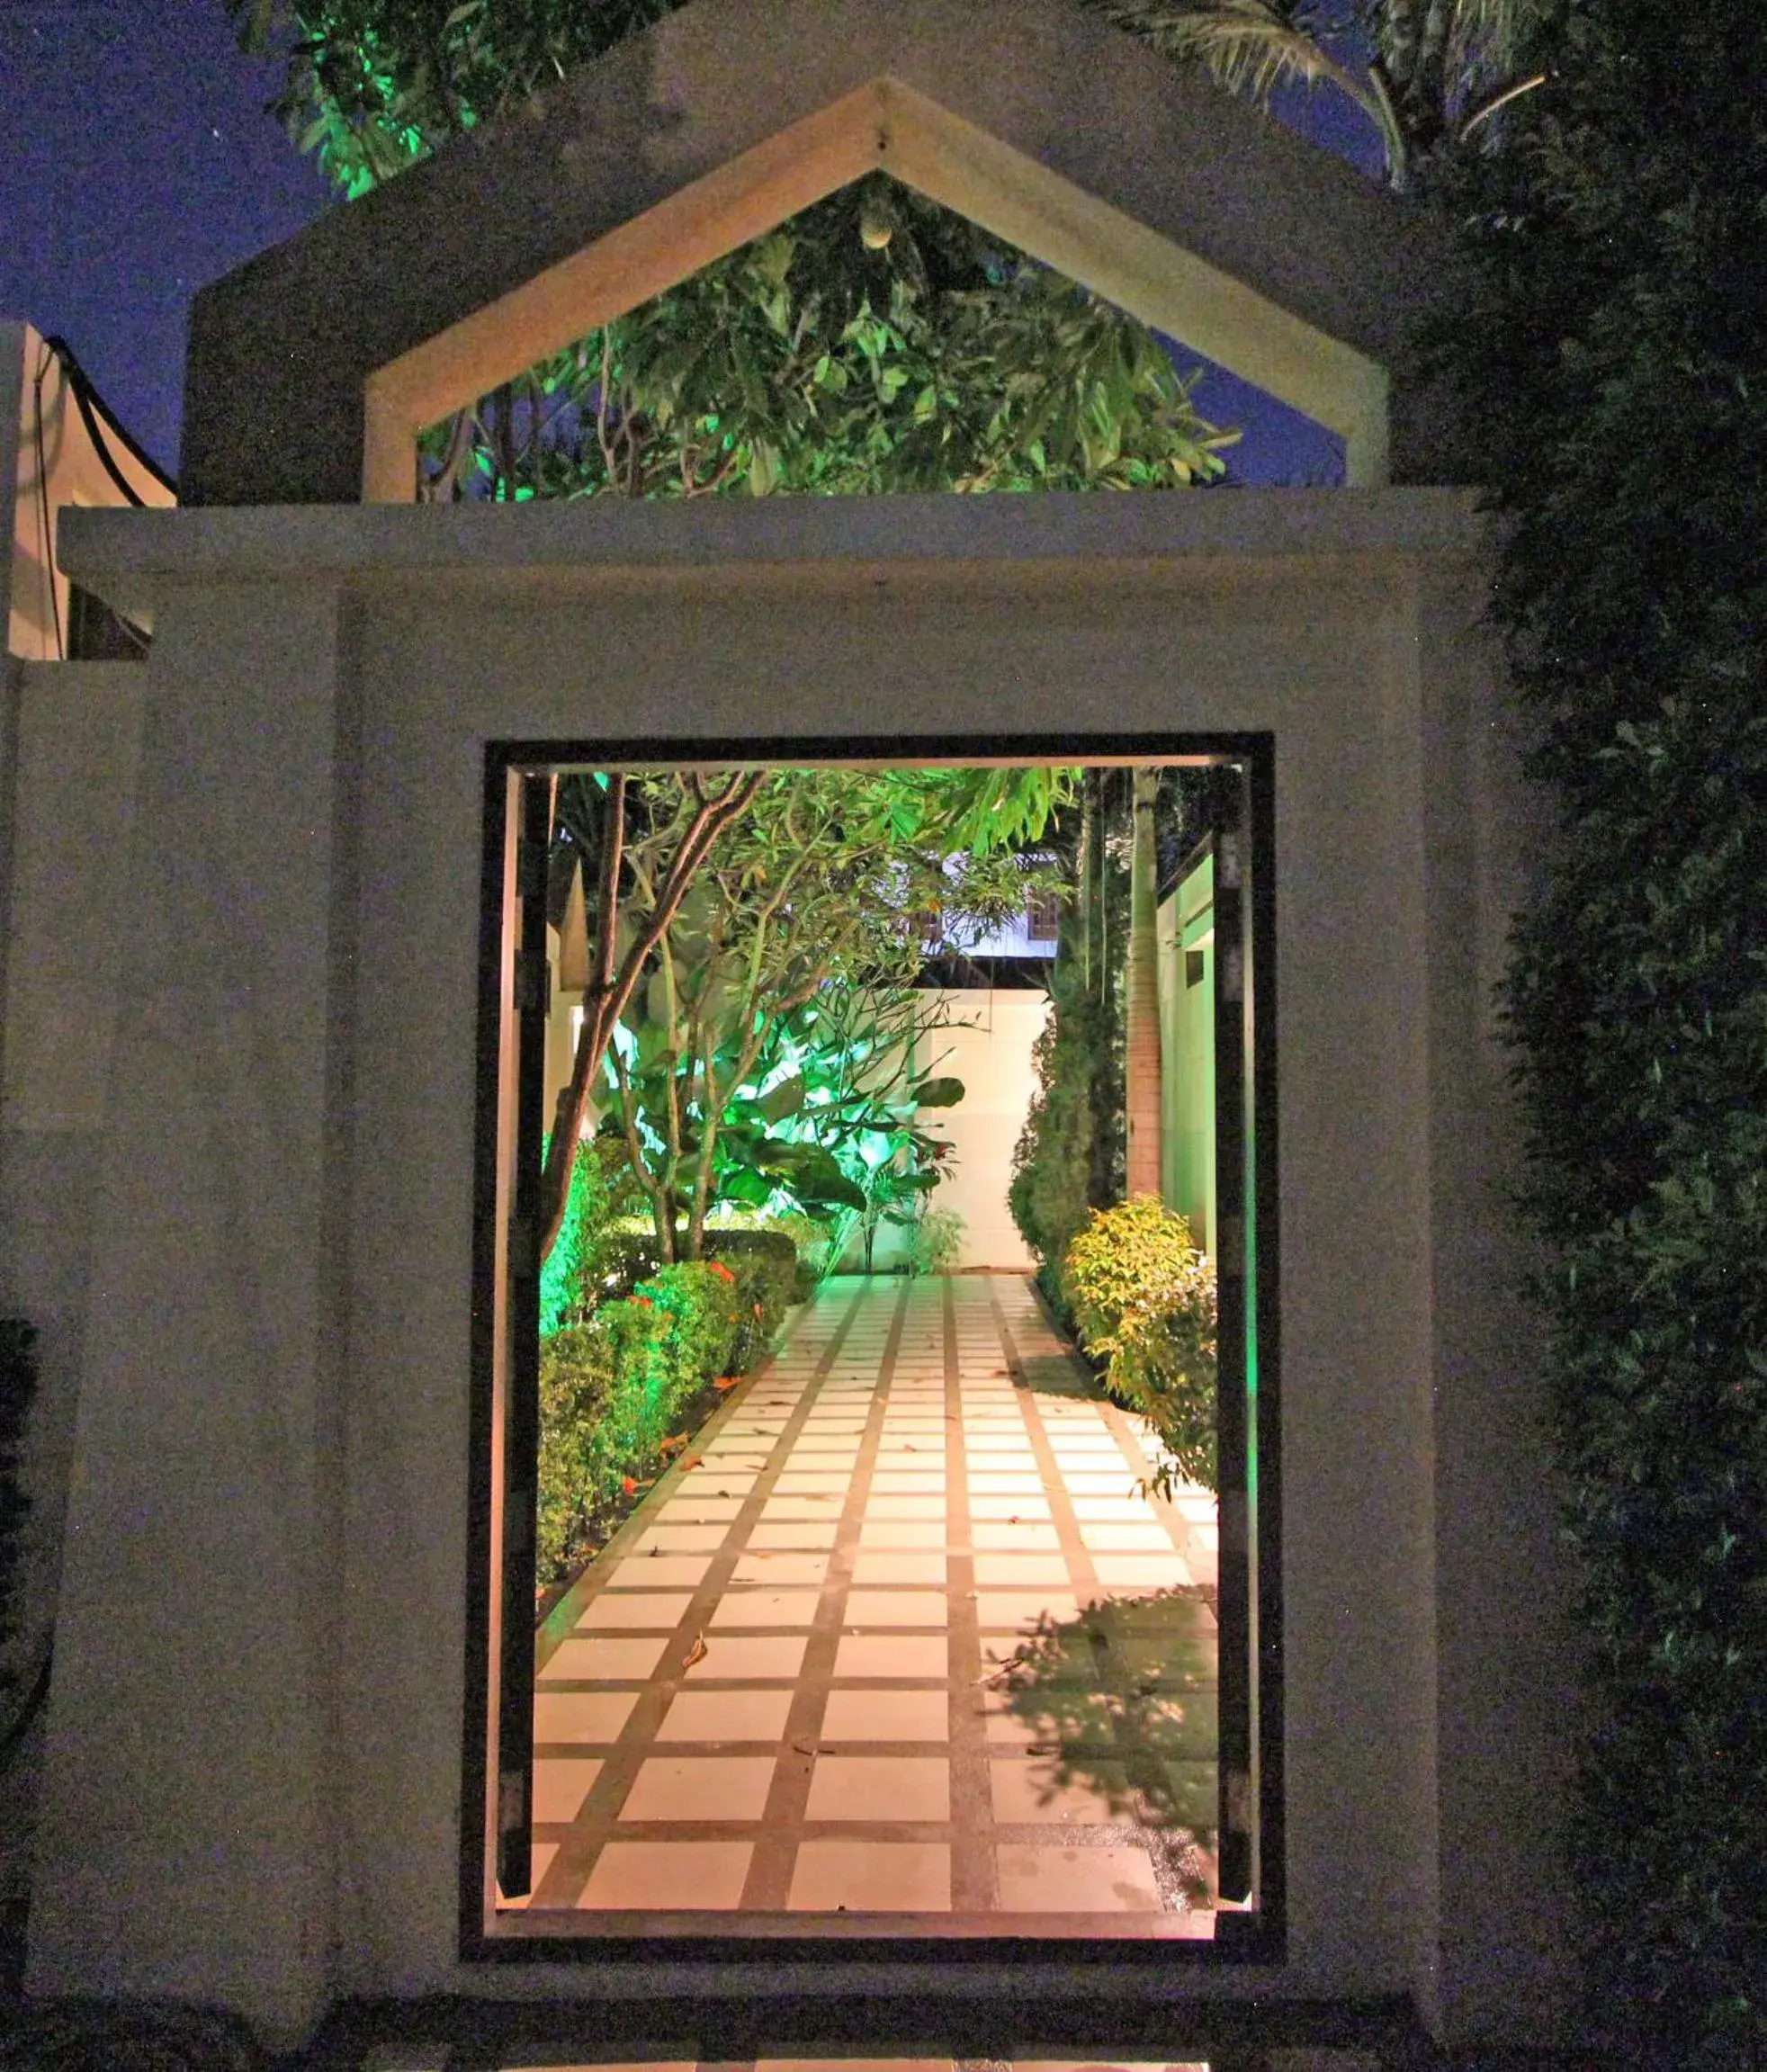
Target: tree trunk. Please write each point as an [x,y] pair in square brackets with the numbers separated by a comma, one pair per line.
[1142,1006]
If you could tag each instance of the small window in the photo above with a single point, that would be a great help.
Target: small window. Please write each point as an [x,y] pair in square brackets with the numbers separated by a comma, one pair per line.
[1043,915]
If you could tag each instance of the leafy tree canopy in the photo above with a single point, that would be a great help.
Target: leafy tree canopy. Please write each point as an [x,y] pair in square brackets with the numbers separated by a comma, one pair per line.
[874,343]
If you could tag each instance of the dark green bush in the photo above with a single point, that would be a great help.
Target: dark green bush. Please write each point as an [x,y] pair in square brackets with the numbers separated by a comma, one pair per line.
[1143,1299]
[1068,1159]
[1610,349]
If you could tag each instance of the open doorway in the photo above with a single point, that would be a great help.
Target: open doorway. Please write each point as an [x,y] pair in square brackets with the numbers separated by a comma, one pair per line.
[834,1584]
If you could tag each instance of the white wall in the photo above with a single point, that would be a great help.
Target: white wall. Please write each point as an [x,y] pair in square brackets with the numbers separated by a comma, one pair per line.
[256,1714]
[989,1048]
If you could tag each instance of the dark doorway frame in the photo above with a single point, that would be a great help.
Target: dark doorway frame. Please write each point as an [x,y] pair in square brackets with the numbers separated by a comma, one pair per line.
[1252,1937]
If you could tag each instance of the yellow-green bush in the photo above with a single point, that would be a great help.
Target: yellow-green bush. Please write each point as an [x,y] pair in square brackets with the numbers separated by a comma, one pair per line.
[1143,1299]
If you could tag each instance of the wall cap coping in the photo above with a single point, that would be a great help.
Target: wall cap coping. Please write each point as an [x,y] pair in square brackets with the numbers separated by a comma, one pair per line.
[133,556]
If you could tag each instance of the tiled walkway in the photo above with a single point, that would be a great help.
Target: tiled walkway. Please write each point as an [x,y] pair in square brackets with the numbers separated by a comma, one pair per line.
[781,1689]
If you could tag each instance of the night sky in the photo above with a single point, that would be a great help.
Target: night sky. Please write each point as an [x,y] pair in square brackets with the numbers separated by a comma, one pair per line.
[136,163]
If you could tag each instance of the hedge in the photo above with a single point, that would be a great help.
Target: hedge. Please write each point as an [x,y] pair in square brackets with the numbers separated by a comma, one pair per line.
[1609,347]
[616,1392]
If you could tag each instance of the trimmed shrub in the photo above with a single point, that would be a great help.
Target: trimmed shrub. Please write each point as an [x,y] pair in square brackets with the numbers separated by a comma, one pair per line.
[1143,1299]
[614,1391]
[765,1262]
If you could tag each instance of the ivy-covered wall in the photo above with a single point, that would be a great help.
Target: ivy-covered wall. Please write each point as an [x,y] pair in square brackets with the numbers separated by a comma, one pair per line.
[1614,367]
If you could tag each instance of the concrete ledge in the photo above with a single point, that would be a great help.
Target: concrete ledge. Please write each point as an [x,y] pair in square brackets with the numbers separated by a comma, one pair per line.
[128,557]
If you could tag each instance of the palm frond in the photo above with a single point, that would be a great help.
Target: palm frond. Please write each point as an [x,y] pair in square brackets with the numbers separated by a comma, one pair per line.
[1250,45]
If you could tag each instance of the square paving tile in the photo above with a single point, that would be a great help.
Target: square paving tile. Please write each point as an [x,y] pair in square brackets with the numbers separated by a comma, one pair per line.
[581,1715]
[561,1785]
[892,1655]
[656,1571]
[812,1481]
[739,1608]
[1118,1879]
[897,1566]
[797,1510]
[867,1608]
[775,1659]
[699,1507]
[655,1876]
[893,1506]
[772,1532]
[1090,1482]
[1166,1570]
[871,1876]
[1132,1535]
[608,1661]
[699,1788]
[639,1611]
[726,1716]
[723,1482]
[880,1787]
[680,1539]
[886,1715]
[1029,1789]
[922,1532]
[1021,1568]
[1018,1610]
[1026,1536]
[1007,1510]
[917,1484]
[763,1565]
[1111,1511]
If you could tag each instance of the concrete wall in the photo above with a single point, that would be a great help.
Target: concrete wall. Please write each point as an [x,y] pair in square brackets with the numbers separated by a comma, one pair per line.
[989,1048]
[69,757]
[257,1715]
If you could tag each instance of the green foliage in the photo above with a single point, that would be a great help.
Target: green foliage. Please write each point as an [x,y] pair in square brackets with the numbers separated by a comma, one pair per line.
[813,1238]
[764,1263]
[936,1242]
[1143,1299]
[811,361]
[615,1390]
[1427,75]
[1068,1156]
[570,1277]
[1612,364]
[770,1058]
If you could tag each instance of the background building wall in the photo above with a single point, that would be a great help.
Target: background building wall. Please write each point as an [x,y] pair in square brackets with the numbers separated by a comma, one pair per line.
[988,1047]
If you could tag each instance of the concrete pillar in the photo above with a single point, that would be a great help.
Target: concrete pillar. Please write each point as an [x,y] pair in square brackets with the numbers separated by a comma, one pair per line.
[184,1846]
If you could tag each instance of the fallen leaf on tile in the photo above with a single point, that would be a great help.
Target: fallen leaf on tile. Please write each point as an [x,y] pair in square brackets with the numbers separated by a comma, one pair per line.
[697,1653]
[693,1460]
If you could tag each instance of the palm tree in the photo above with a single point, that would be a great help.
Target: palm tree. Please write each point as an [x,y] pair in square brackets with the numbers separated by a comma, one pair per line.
[1427,74]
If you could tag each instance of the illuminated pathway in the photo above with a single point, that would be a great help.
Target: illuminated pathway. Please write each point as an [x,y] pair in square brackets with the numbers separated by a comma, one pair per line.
[779,1688]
